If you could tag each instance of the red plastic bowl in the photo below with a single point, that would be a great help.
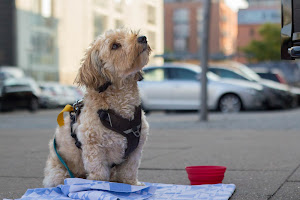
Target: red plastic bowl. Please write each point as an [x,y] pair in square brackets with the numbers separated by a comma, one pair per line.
[205,169]
[204,182]
[199,175]
[219,178]
[193,176]
[207,173]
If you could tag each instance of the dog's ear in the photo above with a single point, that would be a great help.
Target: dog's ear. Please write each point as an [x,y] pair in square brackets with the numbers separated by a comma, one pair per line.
[91,73]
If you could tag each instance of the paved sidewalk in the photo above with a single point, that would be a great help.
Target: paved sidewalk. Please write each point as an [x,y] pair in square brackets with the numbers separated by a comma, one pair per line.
[260,150]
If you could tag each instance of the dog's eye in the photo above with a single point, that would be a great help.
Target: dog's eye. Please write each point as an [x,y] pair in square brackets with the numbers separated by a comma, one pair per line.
[115,46]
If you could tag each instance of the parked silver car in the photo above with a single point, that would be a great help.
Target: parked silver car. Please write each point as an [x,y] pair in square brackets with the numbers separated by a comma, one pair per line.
[278,95]
[177,87]
[55,94]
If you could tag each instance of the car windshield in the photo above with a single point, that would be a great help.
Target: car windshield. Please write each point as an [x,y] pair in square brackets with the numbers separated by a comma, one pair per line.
[249,73]
[213,76]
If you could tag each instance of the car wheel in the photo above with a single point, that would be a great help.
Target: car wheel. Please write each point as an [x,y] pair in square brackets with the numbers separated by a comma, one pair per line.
[33,105]
[230,103]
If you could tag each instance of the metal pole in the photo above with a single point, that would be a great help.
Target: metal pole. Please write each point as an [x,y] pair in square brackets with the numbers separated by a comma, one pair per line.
[204,60]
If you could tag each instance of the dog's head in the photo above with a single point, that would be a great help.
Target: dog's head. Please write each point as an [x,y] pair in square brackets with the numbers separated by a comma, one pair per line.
[113,56]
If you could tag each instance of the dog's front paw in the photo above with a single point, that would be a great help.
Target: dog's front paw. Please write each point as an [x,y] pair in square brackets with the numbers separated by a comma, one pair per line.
[97,177]
[140,184]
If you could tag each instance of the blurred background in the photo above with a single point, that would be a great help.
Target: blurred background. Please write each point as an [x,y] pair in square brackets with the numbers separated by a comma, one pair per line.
[43,41]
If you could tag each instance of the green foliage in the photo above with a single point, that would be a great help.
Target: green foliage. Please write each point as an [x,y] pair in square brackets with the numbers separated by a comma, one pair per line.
[168,57]
[266,49]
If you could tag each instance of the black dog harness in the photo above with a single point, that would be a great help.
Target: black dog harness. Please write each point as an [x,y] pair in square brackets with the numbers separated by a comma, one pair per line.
[130,129]
[74,116]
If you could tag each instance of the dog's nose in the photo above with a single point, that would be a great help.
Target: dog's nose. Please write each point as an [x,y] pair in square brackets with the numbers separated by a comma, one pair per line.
[142,39]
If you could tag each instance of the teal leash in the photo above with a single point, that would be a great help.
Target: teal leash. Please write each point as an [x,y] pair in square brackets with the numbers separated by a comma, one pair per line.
[61,160]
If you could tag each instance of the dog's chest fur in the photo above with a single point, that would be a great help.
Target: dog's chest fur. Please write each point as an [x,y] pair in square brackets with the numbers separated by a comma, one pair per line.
[90,129]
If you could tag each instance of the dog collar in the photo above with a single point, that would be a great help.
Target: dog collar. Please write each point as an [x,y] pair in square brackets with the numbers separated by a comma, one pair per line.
[103,87]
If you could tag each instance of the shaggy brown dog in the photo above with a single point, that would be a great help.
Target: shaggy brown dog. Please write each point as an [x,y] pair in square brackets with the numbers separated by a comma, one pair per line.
[116,56]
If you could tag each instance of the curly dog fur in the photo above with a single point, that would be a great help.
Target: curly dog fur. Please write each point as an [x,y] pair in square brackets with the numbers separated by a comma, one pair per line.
[115,56]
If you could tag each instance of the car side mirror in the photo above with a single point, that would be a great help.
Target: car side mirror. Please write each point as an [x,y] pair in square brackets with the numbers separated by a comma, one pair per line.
[290,29]
[198,77]
[294,52]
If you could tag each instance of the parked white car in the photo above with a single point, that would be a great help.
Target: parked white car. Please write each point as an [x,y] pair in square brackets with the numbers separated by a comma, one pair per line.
[177,87]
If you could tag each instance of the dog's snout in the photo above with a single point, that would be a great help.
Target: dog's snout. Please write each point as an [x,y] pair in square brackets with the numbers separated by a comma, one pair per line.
[142,39]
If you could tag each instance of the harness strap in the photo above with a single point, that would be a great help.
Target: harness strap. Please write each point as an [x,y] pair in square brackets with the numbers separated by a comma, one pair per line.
[73,118]
[130,129]
[61,160]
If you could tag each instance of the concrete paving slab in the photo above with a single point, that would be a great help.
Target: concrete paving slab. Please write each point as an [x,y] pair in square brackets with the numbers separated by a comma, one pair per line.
[12,187]
[295,176]
[249,184]
[236,149]
[260,150]
[289,190]
[25,150]
[27,166]
[241,121]
[260,184]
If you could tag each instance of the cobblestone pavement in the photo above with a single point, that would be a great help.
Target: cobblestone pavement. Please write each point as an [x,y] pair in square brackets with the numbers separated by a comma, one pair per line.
[260,150]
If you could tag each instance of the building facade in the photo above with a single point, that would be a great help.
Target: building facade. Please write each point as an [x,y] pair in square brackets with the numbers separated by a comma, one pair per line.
[82,21]
[184,28]
[264,3]
[37,50]
[251,19]
[51,36]
[7,34]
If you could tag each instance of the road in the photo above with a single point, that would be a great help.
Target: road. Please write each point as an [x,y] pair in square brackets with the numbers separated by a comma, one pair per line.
[259,149]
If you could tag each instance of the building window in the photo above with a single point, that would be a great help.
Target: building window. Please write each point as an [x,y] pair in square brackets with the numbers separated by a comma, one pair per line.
[181,29]
[43,48]
[181,15]
[200,15]
[100,22]
[151,14]
[181,44]
[51,76]
[152,39]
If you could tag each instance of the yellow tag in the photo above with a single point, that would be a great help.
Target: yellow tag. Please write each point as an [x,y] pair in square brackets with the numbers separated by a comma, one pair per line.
[60,117]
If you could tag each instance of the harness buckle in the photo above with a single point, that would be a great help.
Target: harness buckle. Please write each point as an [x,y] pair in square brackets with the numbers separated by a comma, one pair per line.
[78,104]
[136,131]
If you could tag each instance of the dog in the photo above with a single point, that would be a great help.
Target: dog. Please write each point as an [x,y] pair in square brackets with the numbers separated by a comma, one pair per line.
[109,71]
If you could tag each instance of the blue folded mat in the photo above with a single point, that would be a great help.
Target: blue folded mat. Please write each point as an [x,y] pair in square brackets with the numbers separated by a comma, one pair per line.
[76,188]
